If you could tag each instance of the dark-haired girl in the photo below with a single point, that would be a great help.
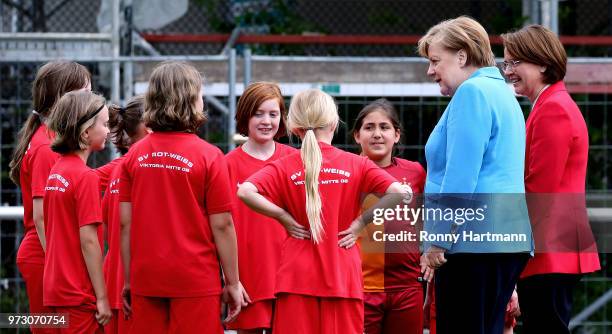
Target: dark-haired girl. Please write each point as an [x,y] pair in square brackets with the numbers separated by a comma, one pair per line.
[126,127]
[393,298]
[30,166]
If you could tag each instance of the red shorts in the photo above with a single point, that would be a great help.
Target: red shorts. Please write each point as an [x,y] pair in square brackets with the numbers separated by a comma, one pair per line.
[394,312]
[301,314]
[32,274]
[81,319]
[254,316]
[176,315]
[118,323]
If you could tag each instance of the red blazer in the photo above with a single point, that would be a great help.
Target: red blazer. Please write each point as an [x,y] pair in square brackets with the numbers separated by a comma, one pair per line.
[555,175]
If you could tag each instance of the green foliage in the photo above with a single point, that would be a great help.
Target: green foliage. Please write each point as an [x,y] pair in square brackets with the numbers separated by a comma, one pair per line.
[508,17]
[213,14]
[279,17]
[384,17]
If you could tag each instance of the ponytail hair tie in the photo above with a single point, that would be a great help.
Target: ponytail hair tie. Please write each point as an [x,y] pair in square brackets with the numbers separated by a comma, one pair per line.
[122,111]
[310,129]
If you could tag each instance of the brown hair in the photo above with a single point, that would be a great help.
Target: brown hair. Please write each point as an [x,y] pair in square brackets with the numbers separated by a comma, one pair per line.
[378,105]
[250,101]
[170,100]
[124,122]
[69,119]
[388,109]
[461,33]
[53,80]
[538,45]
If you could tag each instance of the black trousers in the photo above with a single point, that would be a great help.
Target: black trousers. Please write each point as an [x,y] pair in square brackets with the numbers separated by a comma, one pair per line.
[472,291]
[546,302]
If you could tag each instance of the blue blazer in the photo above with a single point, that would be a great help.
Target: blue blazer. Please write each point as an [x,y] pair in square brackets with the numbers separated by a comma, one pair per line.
[475,159]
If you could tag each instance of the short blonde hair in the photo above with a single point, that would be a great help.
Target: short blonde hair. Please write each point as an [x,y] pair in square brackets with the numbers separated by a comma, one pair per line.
[170,100]
[310,110]
[540,46]
[462,33]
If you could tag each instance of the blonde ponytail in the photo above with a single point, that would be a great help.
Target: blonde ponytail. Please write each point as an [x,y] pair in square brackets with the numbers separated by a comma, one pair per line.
[312,159]
[310,110]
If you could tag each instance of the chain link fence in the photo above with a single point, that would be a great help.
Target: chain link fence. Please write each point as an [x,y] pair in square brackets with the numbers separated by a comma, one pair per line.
[315,17]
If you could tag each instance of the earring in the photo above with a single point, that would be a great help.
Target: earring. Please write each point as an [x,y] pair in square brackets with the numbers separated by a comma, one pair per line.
[543,69]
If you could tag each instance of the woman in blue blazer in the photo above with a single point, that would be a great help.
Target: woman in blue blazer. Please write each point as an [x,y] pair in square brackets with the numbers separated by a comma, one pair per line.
[475,161]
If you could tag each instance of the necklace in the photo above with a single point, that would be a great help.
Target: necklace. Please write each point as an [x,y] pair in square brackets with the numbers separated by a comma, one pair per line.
[538,96]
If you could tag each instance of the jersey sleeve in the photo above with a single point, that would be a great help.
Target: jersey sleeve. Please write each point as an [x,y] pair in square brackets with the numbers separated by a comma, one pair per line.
[104,172]
[87,199]
[267,182]
[105,208]
[375,179]
[42,162]
[125,181]
[218,197]
[106,204]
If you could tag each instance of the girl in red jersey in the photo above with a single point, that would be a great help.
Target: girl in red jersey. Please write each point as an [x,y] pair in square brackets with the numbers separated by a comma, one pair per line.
[260,116]
[30,166]
[175,207]
[393,298]
[73,278]
[127,128]
[315,194]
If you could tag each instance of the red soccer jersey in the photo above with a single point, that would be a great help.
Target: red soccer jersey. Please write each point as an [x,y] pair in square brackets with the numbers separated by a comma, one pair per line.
[259,237]
[72,200]
[175,181]
[324,269]
[113,266]
[392,266]
[104,172]
[35,167]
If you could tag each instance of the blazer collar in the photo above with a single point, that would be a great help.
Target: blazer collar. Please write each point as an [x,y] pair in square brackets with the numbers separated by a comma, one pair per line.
[556,87]
[490,72]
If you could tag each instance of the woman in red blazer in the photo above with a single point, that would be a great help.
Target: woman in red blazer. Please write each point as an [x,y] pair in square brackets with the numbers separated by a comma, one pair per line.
[555,172]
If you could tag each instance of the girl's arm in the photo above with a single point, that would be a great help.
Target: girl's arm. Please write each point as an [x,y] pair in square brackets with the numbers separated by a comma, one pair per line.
[225,239]
[248,193]
[39,220]
[90,247]
[395,193]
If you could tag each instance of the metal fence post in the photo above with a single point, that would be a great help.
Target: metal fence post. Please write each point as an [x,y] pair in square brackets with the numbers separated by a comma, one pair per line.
[231,122]
[550,14]
[247,67]
[116,80]
[128,66]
